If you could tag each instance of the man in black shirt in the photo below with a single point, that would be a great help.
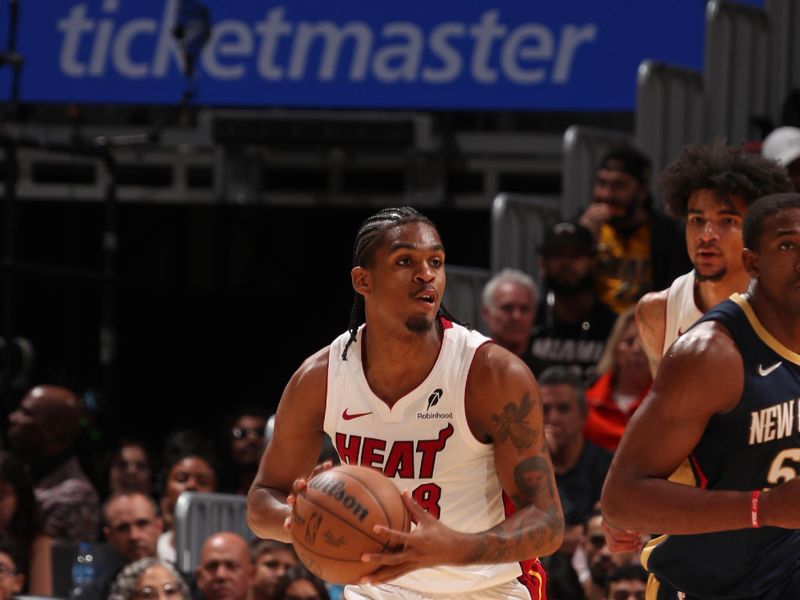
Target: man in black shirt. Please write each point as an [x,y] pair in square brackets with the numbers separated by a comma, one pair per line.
[572,325]
[580,467]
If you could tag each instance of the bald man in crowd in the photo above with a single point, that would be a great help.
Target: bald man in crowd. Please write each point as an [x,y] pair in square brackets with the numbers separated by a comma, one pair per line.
[226,569]
[43,431]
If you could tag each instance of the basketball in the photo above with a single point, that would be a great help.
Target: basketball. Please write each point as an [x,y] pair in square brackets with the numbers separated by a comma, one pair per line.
[333,518]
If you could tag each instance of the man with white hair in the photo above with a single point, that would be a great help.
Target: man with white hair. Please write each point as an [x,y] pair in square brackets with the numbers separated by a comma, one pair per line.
[783,146]
[508,308]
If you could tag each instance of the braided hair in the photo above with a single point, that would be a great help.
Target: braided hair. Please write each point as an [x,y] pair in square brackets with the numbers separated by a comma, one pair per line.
[369,237]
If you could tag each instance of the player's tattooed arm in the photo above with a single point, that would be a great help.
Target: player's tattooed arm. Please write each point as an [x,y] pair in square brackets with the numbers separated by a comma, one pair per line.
[512,424]
[538,522]
[534,477]
[504,409]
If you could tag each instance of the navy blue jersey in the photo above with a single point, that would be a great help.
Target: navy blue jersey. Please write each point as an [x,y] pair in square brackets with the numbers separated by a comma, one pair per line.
[754,446]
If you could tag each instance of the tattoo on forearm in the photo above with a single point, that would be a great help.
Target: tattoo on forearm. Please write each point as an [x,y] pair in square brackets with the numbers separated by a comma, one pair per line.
[502,543]
[533,477]
[513,424]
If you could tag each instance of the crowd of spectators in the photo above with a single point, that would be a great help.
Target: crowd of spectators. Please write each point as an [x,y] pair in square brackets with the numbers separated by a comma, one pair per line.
[47,502]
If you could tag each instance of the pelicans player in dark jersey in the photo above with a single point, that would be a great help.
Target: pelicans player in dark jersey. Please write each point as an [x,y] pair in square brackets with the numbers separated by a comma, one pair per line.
[723,416]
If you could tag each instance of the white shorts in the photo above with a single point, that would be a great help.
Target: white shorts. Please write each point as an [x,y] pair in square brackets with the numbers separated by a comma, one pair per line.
[386,591]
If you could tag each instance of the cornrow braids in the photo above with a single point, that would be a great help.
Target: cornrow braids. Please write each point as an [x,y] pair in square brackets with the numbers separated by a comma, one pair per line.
[368,239]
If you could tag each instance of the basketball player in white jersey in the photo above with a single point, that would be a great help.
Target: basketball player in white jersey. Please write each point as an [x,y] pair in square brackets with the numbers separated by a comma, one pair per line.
[710,186]
[454,420]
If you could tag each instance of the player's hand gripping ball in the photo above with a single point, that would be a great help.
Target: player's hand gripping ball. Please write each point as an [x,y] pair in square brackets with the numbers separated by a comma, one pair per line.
[333,517]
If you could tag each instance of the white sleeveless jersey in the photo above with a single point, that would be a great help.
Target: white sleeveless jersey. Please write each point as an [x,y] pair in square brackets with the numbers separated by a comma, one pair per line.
[682,312]
[423,444]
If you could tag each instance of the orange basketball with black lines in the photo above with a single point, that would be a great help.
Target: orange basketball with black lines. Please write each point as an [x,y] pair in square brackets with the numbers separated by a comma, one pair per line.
[333,518]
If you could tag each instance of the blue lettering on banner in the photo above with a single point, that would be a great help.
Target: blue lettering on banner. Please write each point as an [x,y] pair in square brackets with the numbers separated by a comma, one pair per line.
[572,55]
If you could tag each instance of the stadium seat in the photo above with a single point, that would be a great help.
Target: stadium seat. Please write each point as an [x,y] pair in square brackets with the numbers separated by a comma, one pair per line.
[198,515]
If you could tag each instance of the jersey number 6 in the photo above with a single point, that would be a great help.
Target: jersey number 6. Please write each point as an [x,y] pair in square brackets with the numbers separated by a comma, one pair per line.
[779,471]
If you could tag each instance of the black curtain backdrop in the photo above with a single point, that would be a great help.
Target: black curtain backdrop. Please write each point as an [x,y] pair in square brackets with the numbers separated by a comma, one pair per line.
[216,305]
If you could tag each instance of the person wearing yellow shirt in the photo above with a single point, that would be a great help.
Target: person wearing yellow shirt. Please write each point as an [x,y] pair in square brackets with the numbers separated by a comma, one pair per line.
[639,249]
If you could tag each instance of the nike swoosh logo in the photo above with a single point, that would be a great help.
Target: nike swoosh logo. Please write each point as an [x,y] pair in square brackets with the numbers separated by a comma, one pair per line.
[347,416]
[764,372]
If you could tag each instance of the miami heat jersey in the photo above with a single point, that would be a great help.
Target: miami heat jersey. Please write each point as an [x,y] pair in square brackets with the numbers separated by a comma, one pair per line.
[423,444]
[682,311]
[756,445]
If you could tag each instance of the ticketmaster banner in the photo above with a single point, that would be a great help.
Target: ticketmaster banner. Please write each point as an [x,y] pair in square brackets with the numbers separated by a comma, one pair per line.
[471,54]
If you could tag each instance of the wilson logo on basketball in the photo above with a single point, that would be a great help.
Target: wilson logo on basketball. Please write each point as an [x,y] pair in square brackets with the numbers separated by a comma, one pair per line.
[335,489]
[433,399]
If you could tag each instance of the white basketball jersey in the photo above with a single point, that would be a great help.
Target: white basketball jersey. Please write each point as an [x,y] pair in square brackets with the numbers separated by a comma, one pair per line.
[682,312]
[423,444]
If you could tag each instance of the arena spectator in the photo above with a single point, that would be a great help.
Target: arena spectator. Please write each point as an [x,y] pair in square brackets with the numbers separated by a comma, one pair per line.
[624,380]
[508,303]
[243,442]
[572,324]
[130,468]
[272,560]
[189,465]
[783,146]
[19,520]
[149,579]
[299,584]
[562,580]
[12,570]
[132,525]
[580,467]
[638,248]
[226,570]
[593,560]
[628,582]
[43,431]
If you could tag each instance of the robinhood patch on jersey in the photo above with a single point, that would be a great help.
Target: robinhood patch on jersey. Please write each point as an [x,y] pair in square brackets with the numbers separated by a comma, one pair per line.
[435,415]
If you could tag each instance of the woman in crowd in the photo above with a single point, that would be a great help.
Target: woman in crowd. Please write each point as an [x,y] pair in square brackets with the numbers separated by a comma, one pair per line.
[12,568]
[622,382]
[299,584]
[189,465]
[242,444]
[19,520]
[149,579]
[130,468]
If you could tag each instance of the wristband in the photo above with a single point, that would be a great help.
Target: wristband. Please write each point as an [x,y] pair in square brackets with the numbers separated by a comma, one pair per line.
[754,509]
